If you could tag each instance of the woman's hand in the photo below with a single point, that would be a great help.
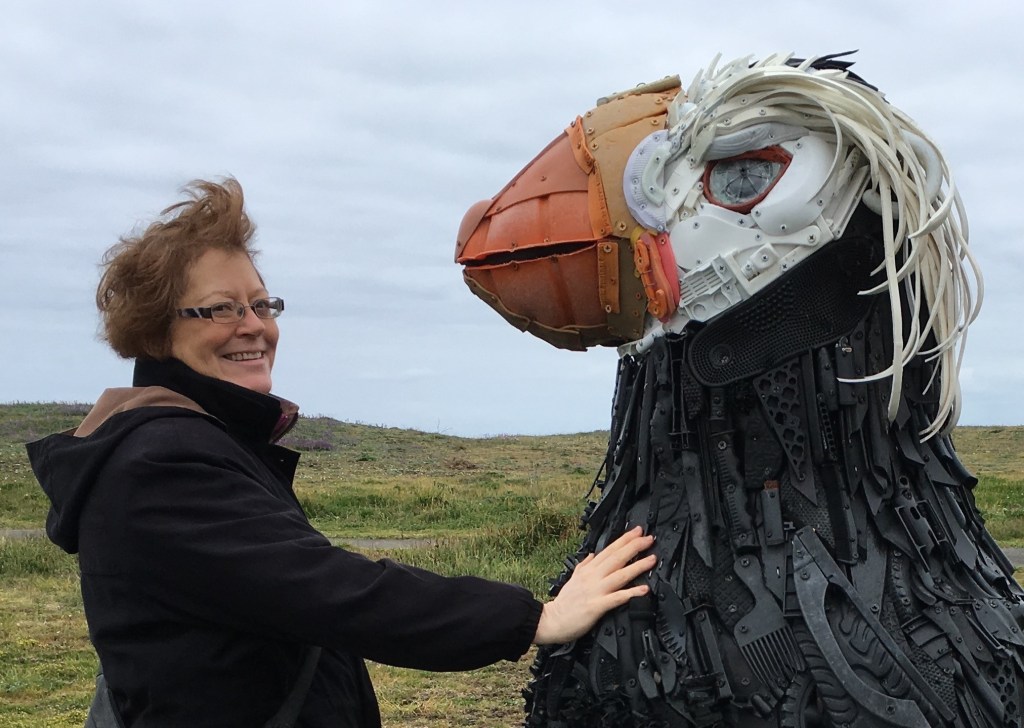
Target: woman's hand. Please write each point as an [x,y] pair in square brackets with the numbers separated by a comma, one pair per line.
[597,585]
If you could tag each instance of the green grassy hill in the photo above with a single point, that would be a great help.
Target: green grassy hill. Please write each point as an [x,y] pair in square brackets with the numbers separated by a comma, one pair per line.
[502,507]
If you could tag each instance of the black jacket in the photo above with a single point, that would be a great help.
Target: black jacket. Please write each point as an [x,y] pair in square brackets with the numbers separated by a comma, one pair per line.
[203,581]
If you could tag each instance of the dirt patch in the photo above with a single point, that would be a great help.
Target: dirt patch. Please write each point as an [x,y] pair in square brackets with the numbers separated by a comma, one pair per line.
[384,543]
[16,534]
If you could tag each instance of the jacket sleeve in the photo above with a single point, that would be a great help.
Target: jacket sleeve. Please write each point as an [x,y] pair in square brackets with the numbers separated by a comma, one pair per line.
[210,539]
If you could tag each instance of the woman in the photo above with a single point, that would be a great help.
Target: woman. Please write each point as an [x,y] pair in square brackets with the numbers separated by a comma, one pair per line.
[202,580]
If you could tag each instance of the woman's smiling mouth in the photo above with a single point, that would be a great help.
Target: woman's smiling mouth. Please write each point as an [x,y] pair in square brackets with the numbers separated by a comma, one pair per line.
[244,356]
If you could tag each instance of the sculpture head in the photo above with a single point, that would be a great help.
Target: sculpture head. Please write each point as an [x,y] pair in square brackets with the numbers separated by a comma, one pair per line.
[756,168]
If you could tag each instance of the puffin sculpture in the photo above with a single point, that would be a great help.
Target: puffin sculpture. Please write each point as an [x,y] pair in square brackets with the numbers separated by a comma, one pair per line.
[782,260]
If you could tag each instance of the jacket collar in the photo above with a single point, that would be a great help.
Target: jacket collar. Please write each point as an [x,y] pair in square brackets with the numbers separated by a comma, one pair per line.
[247,414]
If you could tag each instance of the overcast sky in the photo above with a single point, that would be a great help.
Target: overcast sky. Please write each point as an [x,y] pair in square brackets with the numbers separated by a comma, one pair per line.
[362,131]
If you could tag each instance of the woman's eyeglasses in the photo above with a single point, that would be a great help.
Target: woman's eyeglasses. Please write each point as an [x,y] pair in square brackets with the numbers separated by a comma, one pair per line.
[230,312]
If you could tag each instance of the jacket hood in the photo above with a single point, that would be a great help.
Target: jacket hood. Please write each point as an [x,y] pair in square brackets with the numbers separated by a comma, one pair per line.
[66,464]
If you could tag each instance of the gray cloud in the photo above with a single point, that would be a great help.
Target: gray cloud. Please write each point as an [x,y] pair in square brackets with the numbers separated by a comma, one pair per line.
[362,131]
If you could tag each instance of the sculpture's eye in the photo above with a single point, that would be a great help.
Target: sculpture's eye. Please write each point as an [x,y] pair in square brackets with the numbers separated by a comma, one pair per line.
[739,183]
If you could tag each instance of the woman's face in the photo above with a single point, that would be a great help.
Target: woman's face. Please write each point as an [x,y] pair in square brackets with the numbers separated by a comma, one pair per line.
[242,352]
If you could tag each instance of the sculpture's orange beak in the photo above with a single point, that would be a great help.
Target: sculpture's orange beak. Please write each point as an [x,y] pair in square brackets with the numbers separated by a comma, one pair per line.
[551,252]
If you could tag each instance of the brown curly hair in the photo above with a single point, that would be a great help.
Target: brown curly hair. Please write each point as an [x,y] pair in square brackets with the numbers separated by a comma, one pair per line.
[145,276]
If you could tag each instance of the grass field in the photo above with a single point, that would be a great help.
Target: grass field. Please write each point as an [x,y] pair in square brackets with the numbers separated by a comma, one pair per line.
[504,507]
